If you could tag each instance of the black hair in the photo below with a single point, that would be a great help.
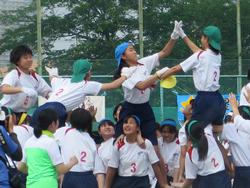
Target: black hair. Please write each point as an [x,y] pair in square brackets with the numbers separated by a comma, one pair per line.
[248,74]
[214,50]
[81,119]
[117,73]
[228,119]
[115,110]
[171,129]
[196,134]
[44,120]
[106,121]
[244,111]
[18,52]
[136,118]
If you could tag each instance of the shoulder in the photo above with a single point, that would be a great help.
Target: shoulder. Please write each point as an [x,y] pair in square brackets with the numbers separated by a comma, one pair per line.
[149,58]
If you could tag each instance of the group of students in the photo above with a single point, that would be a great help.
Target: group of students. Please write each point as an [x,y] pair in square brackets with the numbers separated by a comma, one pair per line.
[131,154]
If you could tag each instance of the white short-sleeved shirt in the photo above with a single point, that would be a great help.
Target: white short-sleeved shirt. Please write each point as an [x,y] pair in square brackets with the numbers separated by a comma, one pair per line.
[82,146]
[71,95]
[242,124]
[46,143]
[142,72]
[243,92]
[21,102]
[238,144]
[131,160]
[171,155]
[183,137]
[23,132]
[212,164]
[206,69]
[60,133]
[103,156]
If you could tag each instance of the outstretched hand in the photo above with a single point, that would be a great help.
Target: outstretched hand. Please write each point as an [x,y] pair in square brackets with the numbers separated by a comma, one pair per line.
[52,71]
[179,29]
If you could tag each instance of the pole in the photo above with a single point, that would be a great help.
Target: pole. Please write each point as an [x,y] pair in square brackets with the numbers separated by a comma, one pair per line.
[239,79]
[39,36]
[140,8]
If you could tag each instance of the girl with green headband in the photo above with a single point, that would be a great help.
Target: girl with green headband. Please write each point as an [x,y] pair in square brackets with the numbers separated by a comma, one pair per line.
[205,63]
[204,164]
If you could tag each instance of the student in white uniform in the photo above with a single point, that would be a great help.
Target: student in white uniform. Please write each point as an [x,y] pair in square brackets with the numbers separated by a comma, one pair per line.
[170,148]
[132,160]
[245,92]
[71,92]
[21,86]
[209,105]
[137,88]
[42,157]
[77,141]
[240,151]
[104,151]
[204,162]
[241,120]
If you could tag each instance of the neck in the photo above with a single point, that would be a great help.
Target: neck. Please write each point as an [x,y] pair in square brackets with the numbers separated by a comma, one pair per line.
[131,138]
[26,71]
[105,138]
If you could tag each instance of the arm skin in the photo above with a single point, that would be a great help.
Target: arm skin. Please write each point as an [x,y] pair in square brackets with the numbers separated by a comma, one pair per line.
[167,49]
[111,172]
[7,89]
[192,46]
[115,84]
[173,70]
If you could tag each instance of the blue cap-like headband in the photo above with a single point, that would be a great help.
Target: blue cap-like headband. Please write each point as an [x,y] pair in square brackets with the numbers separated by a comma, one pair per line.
[168,122]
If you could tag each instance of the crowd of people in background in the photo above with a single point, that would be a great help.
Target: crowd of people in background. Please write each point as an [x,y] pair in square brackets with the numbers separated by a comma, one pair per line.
[55,147]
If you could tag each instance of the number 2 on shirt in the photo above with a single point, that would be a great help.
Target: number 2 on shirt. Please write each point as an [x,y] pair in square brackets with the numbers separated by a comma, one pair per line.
[59,91]
[133,167]
[83,156]
[215,163]
[215,76]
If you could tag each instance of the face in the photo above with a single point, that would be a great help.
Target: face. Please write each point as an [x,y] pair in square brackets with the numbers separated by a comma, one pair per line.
[130,127]
[107,130]
[130,55]
[167,136]
[204,42]
[54,126]
[25,62]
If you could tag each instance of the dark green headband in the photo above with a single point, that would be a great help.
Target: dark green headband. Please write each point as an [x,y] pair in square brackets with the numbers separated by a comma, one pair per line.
[190,125]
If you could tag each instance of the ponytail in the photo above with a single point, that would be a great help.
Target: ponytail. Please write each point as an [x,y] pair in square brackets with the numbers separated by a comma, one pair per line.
[37,131]
[202,147]
[217,52]
[196,134]
[117,73]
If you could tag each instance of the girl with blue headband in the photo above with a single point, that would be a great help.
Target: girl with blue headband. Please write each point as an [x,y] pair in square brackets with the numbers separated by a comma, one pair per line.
[132,161]
[170,148]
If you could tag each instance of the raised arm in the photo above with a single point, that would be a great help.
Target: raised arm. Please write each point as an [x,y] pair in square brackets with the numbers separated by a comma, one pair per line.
[170,44]
[192,46]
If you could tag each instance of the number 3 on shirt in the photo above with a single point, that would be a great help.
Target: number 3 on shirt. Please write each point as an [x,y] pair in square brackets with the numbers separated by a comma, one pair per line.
[133,167]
